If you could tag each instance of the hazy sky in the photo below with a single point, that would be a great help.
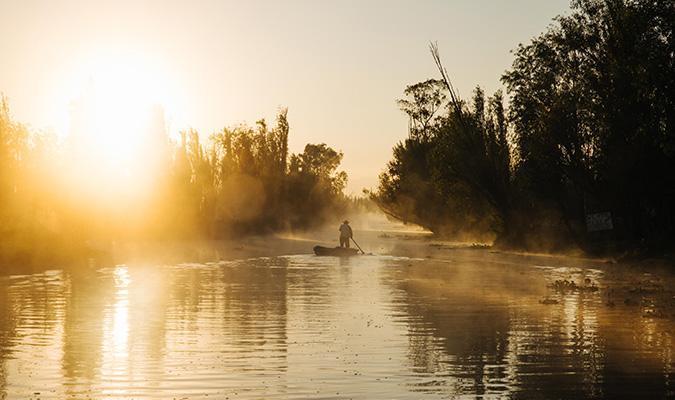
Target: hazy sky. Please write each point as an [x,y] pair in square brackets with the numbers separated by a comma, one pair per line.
[338,66]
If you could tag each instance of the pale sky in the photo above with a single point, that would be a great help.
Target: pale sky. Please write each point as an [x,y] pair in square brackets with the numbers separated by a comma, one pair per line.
[339,66]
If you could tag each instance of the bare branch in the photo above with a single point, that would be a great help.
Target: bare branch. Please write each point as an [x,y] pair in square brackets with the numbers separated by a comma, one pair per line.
[454,98]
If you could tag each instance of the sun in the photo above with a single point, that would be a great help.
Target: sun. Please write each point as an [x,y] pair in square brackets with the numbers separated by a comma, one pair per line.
[120,94]
[117,120]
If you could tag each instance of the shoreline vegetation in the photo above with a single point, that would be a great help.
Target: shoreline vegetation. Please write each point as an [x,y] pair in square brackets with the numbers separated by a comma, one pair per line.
[59,200]
[577,157]
[582,156]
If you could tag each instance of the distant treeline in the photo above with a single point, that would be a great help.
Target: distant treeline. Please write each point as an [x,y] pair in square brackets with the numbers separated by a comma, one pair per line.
[584,155]
[56,202]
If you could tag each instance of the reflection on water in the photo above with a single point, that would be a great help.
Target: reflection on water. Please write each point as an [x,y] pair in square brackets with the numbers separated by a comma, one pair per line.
[311,327]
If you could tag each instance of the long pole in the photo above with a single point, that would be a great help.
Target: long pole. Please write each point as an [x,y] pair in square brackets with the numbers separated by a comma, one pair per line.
[357,245]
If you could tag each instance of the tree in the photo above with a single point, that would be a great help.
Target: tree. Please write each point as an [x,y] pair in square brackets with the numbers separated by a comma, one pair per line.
[592,109]
[451,176]
[424,101]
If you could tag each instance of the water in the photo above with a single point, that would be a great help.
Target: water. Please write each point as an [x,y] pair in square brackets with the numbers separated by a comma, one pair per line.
[318,327]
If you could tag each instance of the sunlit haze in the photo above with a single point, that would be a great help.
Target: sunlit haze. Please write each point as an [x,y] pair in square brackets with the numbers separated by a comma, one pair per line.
[337,66]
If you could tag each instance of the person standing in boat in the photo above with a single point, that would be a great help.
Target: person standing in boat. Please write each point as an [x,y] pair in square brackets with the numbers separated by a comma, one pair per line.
[345,234]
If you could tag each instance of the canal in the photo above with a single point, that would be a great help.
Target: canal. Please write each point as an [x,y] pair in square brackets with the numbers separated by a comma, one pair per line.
[370,327]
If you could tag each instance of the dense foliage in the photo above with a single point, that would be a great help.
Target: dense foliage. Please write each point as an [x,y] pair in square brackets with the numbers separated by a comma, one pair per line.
[246,181]
[590,128]
[450,174]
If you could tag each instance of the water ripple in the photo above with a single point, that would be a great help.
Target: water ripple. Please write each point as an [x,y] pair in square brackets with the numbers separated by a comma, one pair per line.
[315,327]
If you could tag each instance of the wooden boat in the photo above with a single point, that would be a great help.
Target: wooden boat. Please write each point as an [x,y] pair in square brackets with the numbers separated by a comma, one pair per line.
[335,251]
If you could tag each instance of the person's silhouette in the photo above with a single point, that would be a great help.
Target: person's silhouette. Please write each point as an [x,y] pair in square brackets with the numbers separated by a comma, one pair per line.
[345,234]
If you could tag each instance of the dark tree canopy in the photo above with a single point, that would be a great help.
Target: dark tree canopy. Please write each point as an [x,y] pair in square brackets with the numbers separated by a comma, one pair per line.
[589,129]
[592,107]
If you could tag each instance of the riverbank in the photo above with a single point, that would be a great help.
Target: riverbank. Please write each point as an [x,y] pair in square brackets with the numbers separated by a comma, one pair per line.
[413,243]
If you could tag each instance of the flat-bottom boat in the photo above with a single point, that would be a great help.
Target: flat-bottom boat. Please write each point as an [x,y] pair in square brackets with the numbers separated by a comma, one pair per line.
[335,251]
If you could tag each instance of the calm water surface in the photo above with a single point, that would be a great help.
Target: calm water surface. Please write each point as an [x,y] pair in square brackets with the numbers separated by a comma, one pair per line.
[316,327]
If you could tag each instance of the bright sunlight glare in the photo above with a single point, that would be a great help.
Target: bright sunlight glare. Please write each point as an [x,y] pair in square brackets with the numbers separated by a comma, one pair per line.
[119,96]
[120,99]
[117,118]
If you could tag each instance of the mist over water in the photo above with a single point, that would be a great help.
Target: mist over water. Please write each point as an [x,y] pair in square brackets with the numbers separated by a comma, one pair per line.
[320,327]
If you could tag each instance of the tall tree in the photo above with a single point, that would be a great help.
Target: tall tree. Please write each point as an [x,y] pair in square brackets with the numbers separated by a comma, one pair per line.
[592,108]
